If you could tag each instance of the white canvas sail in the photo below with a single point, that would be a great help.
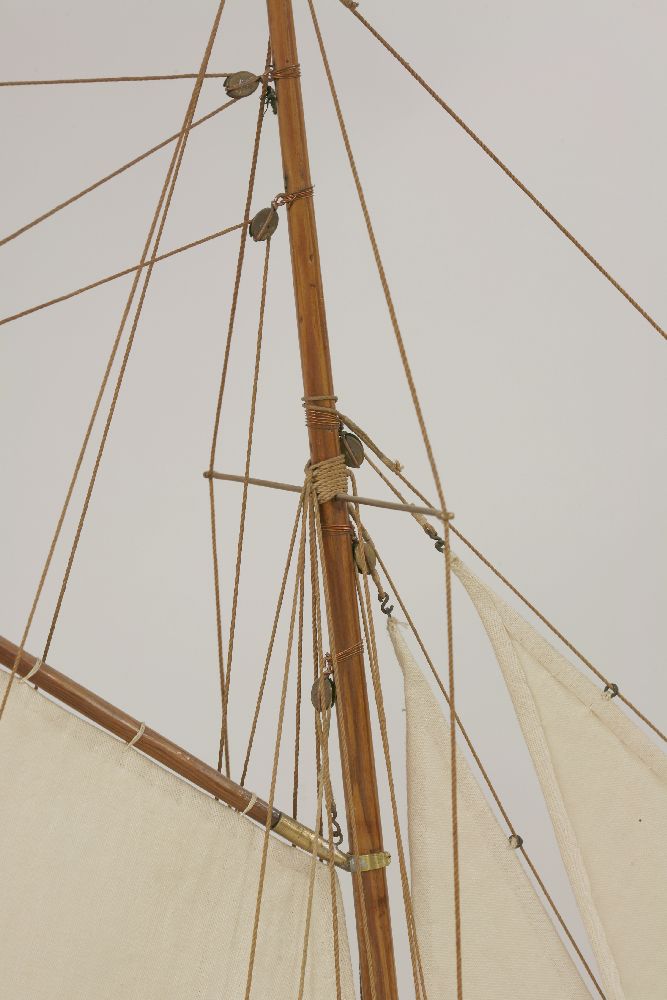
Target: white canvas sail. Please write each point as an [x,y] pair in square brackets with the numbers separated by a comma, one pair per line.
[605,784]
[509,946]
[120,881]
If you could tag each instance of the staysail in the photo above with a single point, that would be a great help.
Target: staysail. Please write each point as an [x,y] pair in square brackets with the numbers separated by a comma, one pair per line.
[605,784]
[119,880]
[510,947]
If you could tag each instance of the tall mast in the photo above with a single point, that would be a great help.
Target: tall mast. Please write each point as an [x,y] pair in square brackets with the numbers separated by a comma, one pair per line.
[352,696]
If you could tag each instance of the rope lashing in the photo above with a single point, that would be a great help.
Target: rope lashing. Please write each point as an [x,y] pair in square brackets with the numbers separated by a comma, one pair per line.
[286,73]
[37,665]
[137,736]
[251,802]
[288,199]
[329,478]
[355,650]
[265,223]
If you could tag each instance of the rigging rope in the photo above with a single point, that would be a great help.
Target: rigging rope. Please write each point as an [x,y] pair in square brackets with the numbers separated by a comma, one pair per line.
[158,223]
[276,752]
[121,274]
[394,467]
[366,611]
[505,169]
[114,173]
[112,79]
[437,482]
[484,772]
[224,680]
[244,500]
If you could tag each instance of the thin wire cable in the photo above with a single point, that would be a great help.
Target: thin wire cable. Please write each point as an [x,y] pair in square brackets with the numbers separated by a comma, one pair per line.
[120,274]
[224,680]
[112,79]
[438,487]
[164,201]
[114,173]
[484,772]
[506,170]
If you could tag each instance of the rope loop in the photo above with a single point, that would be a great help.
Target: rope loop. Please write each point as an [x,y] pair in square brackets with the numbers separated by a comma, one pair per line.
[329,478]
[37,665]
[137,736]
[286,73]
[288,199]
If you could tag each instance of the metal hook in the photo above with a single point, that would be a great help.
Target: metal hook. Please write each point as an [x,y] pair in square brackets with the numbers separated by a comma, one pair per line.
[384,600]
[440,544]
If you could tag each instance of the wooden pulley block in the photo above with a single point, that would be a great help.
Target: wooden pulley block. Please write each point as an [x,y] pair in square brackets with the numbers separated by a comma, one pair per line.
[368,552]
[264,224]
[352,448]
[241,84]
[323,693]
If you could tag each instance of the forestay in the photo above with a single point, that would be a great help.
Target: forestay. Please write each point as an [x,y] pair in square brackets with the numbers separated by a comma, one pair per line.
[120,881]
[605,784]
[509,946]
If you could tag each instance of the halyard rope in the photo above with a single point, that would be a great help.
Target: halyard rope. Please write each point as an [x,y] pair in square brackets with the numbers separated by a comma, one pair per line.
[438,487]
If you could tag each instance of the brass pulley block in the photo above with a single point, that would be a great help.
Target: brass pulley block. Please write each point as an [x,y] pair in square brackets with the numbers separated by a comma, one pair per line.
[264,224]
[241,84]
[352,448]
[323,693]
[368,552]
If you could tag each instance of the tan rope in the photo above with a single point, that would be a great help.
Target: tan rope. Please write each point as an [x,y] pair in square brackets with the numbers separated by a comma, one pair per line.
[121,274]
[557,632]
[287,72]
[506,170]
[224,681]
[329,478]
[288,199]
[487,562]
[162,207]
[276,756]
[483,771]
[297,704]
[318,542]
[272,639]
[244,500]
[438,487]
[112,79]
[114,173]
[366,611]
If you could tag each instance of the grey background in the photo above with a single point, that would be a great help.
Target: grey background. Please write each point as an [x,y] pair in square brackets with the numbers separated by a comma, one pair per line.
[543,389]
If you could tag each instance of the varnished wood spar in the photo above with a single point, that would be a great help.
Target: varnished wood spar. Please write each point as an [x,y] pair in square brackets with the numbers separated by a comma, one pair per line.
[352,701]
[159,748]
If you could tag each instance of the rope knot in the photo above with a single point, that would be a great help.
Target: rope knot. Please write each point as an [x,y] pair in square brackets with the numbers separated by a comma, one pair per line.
[329,478]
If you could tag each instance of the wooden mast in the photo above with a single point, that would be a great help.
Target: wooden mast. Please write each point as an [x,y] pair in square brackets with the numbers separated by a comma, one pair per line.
[352,696]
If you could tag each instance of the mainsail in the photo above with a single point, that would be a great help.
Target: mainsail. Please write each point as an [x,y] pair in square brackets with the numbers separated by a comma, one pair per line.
[605,784]
[510,947]
[119,879]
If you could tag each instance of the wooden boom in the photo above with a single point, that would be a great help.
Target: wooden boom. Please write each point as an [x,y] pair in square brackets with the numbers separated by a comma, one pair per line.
[352,712]
[162,750]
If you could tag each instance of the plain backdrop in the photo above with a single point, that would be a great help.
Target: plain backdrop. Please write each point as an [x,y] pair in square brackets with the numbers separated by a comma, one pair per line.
[543,389]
